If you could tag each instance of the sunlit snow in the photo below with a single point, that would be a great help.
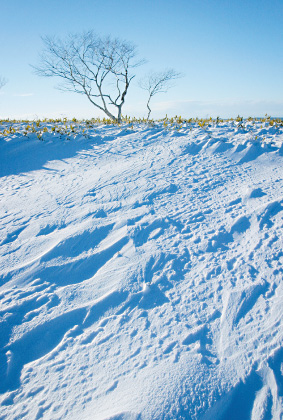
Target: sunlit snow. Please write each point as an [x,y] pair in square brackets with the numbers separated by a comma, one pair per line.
[141,274]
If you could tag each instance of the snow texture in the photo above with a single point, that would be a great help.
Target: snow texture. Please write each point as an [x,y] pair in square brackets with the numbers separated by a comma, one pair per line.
[141,274]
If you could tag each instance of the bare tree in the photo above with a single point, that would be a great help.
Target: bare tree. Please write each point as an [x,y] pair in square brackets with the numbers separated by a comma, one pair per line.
[100,68]
[157,82]
[3,81]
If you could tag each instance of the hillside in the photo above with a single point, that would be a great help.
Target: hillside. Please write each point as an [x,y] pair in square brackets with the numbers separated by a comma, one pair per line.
[141,272]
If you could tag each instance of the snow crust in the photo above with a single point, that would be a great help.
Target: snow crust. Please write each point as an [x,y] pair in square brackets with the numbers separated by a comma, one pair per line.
[141,274]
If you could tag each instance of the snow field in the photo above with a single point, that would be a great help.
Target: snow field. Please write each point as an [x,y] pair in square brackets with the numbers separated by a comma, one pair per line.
[141,274]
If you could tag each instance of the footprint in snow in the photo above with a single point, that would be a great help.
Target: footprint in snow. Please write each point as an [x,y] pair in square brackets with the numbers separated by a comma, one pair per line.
[256,193]
[200,337]
[240,225]
[13,236]
[269,212]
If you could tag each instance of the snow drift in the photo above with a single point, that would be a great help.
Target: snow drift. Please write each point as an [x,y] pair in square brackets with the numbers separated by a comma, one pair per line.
[141,274]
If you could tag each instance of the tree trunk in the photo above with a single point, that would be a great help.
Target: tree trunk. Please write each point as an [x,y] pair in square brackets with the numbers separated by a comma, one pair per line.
[119,119]
[111,116]
[149,110]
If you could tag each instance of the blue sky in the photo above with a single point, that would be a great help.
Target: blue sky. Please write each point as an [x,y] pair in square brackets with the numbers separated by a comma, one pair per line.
[230,53]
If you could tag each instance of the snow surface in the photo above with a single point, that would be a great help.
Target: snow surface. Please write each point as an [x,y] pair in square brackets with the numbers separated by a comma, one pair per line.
[141,274]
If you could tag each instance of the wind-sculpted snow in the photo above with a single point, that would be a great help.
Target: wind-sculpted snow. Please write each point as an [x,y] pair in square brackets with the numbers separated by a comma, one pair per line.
[141,275]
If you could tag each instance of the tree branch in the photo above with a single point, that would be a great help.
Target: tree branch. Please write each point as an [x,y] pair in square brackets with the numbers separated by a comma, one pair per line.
[87,64]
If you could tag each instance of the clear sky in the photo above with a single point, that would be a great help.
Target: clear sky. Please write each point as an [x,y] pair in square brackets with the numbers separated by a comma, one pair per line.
[230,53]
